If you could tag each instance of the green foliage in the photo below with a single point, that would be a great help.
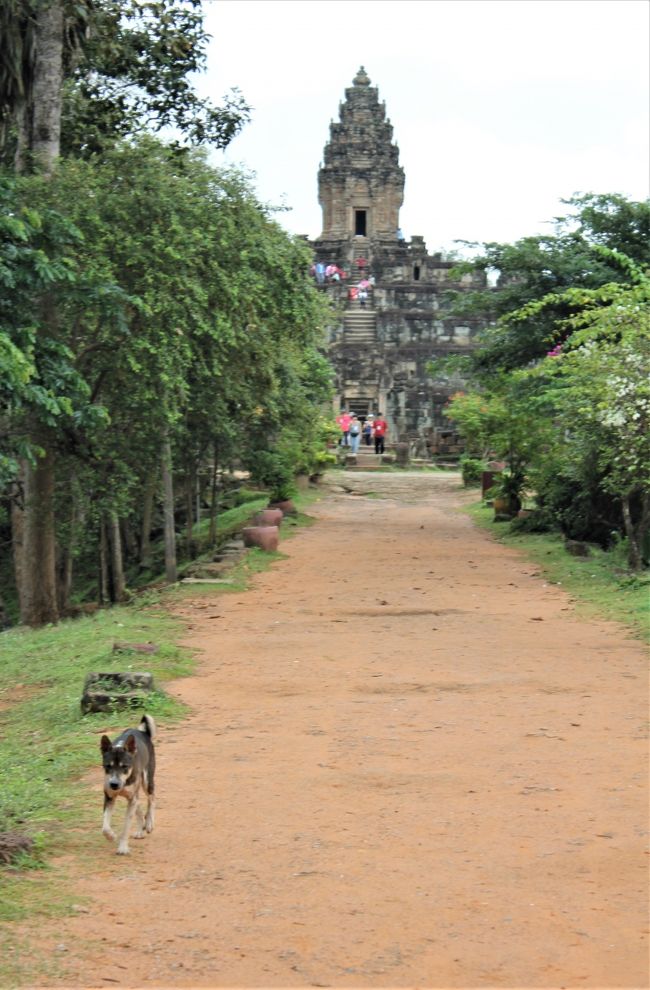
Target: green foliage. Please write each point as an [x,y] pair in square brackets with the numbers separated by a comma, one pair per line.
[181,307]
[564,370]
[471,469]
[128,67]
[588,249]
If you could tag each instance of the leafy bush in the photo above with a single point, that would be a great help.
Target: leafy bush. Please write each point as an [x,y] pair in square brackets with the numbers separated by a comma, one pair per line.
[274,471]
[472,469]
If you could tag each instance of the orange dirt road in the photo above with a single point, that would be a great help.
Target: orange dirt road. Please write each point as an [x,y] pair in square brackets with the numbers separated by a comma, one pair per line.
[408,763]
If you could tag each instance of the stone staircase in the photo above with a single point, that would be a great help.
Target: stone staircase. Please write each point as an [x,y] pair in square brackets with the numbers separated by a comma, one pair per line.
[366,459]
[359,325]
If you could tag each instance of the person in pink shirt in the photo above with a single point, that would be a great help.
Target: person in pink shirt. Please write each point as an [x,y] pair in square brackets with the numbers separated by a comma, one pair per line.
[344,420]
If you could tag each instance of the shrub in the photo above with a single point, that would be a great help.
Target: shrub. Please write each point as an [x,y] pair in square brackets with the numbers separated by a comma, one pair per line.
[472,469]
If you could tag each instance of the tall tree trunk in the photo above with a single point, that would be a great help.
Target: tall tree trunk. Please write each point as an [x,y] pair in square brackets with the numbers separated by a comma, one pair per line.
[147,513]
[66,569]
[4,616]
[171,574]
[40,131]
[17,533]
[117,560]
[189,508]
[39,123]
[635,534]
[212,535]
[39,598]
[104,594]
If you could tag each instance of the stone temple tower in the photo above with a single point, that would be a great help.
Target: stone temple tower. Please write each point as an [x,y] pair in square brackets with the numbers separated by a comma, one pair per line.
[382,351]
[361,183]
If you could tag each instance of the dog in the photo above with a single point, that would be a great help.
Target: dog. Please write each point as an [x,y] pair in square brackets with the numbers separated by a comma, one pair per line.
[129,768]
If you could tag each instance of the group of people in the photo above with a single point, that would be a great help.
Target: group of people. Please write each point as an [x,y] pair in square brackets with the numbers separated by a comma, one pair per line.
[370,428]
[327,273]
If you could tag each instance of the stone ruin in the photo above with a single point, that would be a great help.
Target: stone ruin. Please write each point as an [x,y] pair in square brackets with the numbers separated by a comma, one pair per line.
[380,350]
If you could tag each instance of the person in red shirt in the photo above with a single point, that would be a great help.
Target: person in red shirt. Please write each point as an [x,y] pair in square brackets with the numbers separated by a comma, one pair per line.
[380,429]
[344,420]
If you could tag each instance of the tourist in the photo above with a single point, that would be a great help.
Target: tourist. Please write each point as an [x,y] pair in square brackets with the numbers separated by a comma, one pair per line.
[320,272]
[355,433]
[380,429]
[366,430]
[344,419]
[362,295]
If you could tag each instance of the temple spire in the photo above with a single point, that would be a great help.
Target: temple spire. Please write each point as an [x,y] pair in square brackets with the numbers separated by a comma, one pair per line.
[361,183]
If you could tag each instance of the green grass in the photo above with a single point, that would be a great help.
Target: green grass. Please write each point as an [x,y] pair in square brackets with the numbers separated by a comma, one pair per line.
[600,583]
[46,748]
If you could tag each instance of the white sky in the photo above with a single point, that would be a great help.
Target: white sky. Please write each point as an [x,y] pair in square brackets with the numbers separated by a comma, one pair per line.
[500,108]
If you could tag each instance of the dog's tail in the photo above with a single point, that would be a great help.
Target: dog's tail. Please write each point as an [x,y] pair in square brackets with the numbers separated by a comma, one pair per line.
[148,726]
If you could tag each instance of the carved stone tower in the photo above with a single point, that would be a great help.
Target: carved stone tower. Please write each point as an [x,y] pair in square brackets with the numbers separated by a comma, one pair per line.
[361,183]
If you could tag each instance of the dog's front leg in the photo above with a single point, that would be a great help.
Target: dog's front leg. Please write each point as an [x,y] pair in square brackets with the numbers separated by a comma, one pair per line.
[139,817]
[123,847]
[109,804]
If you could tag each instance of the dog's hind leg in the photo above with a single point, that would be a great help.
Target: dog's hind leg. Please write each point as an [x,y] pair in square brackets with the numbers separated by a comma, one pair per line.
[151,798]
[151,808]
[106,822]
[132,806]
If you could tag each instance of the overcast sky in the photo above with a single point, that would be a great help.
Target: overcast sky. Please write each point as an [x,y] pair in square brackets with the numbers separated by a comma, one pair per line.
[500,109]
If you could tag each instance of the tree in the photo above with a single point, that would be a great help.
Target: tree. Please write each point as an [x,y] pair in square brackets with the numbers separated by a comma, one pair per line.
[123,67]
[141,56]
[585,252]
[598,383]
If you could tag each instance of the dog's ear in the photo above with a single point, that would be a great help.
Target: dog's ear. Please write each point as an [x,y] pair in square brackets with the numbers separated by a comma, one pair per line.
[130,744]
[105,744]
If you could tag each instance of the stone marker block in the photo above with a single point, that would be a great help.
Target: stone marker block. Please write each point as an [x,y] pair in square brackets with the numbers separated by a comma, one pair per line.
[577,548]
[264,537]
[402,453]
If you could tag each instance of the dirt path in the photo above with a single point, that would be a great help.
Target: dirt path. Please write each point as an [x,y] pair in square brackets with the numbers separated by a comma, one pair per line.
[409,763]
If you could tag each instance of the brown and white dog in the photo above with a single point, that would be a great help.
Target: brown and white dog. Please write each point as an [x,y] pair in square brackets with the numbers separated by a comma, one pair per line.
[129,768]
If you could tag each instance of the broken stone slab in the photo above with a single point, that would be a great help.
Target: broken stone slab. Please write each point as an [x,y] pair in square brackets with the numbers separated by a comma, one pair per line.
[135,648]
[106,690]
[264,537]
[229,555]
[215,569]
[232,545]
[116,679]
[104,701]
[209,580]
